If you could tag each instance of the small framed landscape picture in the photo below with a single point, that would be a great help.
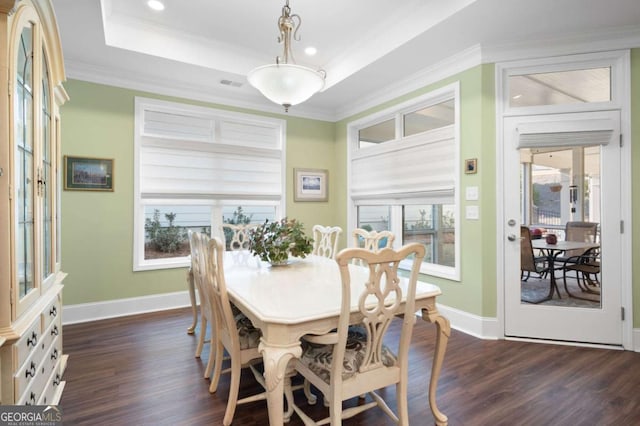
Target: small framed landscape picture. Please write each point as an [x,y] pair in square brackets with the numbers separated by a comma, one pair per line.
[310,184]
[88,174]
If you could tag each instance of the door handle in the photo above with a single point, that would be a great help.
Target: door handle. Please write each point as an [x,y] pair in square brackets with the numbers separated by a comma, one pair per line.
[511,237]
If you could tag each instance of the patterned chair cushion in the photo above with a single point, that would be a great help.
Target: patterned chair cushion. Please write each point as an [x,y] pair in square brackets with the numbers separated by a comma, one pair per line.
[235,310]
[318,358]
[248,334]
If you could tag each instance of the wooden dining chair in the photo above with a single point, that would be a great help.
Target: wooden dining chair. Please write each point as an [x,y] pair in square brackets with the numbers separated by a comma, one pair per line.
[236,236]
[371,240]
[353,361]
[234,332]
[325,240]
[195,274]
[206,314]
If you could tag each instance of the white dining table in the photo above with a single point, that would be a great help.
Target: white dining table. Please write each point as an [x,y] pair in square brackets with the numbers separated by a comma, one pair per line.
[303,297]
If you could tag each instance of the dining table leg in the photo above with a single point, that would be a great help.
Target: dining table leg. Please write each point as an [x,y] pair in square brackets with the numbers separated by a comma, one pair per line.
[192,296]
[443,330]
[276,358]
[553,285]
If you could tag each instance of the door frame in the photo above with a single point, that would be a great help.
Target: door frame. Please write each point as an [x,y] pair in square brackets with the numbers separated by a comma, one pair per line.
[621,100]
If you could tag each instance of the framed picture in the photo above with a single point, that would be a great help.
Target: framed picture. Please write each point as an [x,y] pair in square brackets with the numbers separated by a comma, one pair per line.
[471,166]
[88,174]
[310,185]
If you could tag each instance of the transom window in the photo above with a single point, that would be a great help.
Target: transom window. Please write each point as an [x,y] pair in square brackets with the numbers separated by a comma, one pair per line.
[574,83]
[560,87]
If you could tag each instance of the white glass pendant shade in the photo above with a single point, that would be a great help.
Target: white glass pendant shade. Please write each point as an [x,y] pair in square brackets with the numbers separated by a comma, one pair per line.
[286,84]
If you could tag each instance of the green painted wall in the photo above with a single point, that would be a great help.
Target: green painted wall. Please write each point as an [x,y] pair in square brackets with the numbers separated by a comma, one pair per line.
[97,227]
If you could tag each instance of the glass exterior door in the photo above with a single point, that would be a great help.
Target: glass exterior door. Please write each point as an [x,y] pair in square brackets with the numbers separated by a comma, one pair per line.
[567,179]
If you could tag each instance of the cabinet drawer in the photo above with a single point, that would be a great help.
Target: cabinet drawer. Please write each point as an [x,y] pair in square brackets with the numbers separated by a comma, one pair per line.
[51,333]
[28,372]
[34,388]
[31,378]
[51,313]
[29,398]
[26,344]
[52,357]
[52,371]
[53,383]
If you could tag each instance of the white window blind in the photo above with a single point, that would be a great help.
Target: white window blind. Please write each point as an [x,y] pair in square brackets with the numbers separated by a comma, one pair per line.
[178,126]
[409,170]
[196,154]
[566,133]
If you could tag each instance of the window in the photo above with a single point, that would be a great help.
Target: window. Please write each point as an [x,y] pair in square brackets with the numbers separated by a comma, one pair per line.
[574,83]
[429,118]
[376,134]
[434,226]
[561,87]
[197,168]
[404,178]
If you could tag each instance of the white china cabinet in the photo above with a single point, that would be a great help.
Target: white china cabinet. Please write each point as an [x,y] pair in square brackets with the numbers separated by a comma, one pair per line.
[31,74]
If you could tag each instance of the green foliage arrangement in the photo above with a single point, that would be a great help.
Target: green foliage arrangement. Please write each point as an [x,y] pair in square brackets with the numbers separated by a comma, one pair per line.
[273,242]
[165,239]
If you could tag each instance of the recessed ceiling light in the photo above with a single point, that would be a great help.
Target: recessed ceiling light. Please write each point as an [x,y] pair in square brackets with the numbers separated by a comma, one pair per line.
[516,97]
[155,4]
[310,51]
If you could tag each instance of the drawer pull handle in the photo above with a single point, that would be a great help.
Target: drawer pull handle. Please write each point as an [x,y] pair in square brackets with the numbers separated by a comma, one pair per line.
[53,311]
[54,354]
[31,341]
[32,399]
[54,331]
[56,382]
[31,371]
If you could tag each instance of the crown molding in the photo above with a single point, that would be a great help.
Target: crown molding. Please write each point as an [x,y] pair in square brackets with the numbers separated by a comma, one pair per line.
[614,39]
[454,64]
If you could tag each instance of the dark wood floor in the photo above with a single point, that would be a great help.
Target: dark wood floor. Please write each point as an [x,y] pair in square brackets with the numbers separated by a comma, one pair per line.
[141,370]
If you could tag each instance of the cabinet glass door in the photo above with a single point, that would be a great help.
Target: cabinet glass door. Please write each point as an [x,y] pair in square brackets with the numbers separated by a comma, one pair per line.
[45,182]
[24,167]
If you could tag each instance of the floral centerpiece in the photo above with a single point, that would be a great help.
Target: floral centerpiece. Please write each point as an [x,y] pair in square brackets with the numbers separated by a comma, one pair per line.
[273,242]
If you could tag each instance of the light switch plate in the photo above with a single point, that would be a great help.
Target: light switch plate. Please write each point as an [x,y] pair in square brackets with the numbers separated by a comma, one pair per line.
[471,193]
[472,212]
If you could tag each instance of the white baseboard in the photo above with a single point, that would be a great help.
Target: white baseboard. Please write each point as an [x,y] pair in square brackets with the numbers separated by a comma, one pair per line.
[474,325]
[84,312]
[636,339]
[480,327]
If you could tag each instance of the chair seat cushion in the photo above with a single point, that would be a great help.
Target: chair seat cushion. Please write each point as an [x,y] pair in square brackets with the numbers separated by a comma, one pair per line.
[248,334]
[318,358]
